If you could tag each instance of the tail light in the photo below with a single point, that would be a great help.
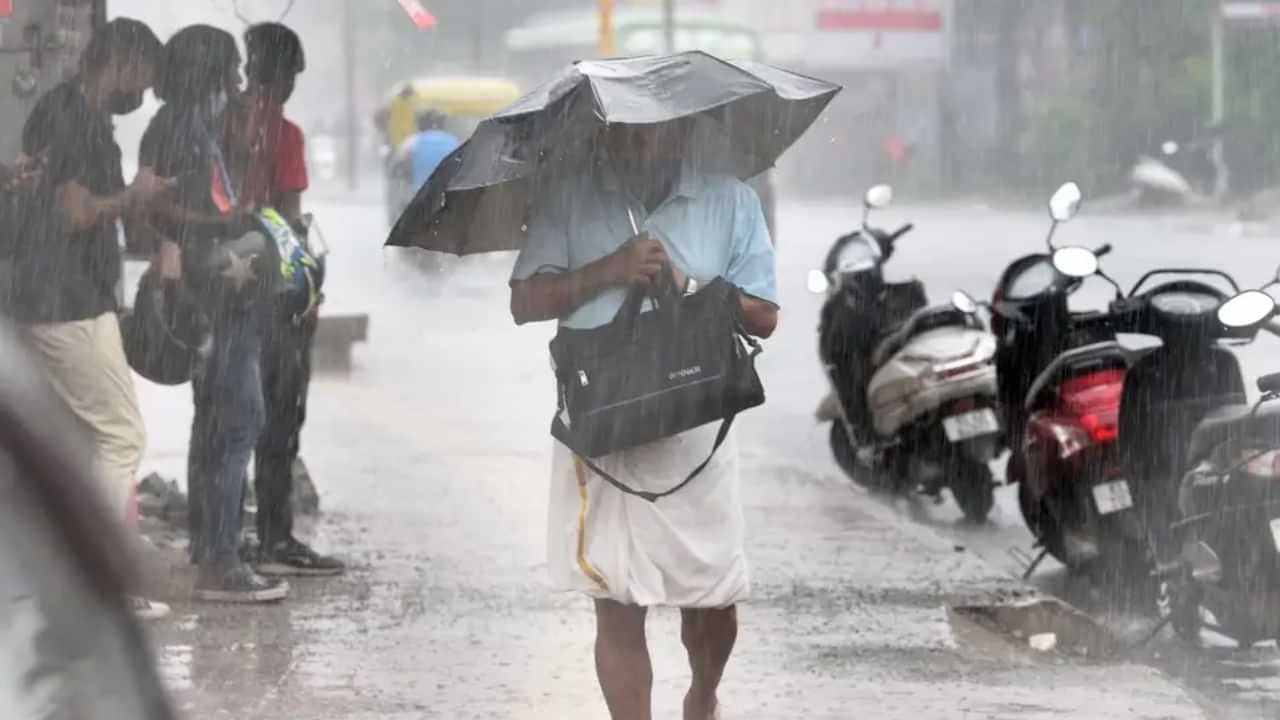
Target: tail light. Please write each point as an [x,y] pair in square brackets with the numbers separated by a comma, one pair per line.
[946,371]
[1071,439]
[1094,398]
[1074,434]
[983,352]
[1266,465]
[1101,429]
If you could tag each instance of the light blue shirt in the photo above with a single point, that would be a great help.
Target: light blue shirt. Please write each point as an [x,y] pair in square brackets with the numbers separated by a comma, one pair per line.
[430,148]
[711,226]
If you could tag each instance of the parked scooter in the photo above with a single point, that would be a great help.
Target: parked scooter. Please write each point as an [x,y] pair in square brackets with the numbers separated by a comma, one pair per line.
[913,401]
[1167,393]
[1223,551]
[1179,174]
[1061,375]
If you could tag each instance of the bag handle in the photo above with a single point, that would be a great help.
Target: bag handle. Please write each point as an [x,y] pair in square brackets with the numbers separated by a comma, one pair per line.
[662,294]
[721,436]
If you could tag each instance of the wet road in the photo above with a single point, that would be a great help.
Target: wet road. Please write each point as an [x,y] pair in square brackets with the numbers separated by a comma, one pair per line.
[432,460]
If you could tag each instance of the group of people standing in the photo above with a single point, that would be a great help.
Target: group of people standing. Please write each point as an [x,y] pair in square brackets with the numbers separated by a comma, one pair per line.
[214,154]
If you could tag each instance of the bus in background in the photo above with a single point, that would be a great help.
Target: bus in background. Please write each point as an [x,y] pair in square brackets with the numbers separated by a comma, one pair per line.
[551,40]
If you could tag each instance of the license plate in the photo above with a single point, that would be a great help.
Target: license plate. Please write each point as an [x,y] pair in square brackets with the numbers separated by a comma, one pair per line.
[1112,497]
[971,424]
[1275,533]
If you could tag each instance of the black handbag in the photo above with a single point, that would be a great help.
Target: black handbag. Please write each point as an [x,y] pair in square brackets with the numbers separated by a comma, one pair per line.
[650,375]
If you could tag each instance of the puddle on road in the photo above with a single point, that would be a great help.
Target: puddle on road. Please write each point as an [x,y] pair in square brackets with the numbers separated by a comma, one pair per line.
[1039,625]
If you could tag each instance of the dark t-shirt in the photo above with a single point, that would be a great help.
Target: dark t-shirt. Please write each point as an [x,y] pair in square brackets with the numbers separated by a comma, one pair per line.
[61,275]
[177,145]
[180,143]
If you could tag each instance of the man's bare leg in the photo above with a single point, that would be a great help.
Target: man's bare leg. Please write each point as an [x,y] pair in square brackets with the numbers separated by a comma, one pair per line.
[622,660]
[709,636]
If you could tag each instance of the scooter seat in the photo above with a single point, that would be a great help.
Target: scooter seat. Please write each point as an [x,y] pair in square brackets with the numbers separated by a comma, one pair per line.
[921,321]
[1239,424]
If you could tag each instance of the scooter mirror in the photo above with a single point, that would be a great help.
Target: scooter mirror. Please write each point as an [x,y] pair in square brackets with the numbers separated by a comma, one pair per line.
[1246,309]
[878,197]
[818,282]
[1075,262]
[1065,203]
[1169,147]
[963,302]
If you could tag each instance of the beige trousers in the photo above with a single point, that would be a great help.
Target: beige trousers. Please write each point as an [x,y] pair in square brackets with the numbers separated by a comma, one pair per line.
[85,364]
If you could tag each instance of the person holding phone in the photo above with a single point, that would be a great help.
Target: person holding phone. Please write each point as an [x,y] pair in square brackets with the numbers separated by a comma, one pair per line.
[66,254]
[208,251]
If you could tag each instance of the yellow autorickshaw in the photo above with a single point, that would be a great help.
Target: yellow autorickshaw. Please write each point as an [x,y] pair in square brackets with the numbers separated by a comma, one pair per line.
[463,100]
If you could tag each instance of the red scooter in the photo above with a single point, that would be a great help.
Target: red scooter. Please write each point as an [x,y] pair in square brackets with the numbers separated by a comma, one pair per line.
[1061,376]
[1072,490]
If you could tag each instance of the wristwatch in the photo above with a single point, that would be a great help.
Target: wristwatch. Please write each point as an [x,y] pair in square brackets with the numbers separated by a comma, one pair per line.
[690,285]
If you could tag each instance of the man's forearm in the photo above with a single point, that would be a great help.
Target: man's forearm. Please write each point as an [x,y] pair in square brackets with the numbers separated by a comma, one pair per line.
[112,207]
[85,211]
[552,296]
[759,317]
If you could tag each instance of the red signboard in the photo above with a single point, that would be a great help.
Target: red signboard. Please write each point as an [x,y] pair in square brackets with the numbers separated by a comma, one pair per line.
[6,8]
[418,14]
[881,16]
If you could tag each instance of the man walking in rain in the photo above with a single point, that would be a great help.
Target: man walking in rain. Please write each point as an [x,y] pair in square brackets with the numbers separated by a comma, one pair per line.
[67,257]
[687,550]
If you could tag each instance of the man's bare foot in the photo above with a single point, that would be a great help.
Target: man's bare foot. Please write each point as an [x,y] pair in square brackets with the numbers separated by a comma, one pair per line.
[700,708]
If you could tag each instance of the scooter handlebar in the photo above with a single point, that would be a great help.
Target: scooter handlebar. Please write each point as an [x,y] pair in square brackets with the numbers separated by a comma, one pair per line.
[900,232]
[1103,251]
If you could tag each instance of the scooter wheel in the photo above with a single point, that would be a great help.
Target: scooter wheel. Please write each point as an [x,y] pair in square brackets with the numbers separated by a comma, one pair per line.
[842,449]
[846,456]
[1041,523]
[1184,610]
[974,490]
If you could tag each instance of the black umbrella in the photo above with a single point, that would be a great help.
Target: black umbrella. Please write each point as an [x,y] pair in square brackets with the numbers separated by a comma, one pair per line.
[746,114]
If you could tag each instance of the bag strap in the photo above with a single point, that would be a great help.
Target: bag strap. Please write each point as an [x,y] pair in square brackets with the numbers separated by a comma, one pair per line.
[656,496]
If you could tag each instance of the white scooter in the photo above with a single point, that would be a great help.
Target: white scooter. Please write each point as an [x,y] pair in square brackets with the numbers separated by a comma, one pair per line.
[1179,175]
[914,394]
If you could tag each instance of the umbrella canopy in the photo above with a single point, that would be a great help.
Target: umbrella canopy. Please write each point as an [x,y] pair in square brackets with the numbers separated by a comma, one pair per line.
[745,115]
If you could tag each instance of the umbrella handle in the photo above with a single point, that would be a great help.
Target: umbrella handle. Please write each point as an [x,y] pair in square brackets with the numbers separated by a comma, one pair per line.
[635,229]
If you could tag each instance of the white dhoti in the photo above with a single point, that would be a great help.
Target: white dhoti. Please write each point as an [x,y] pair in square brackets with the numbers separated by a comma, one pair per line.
[686,550]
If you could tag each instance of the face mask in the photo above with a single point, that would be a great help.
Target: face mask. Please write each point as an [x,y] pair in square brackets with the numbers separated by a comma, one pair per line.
[123,103]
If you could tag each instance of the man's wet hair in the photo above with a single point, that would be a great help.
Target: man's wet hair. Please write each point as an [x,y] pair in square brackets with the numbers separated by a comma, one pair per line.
[195,64]
[274,53]
[123,40]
